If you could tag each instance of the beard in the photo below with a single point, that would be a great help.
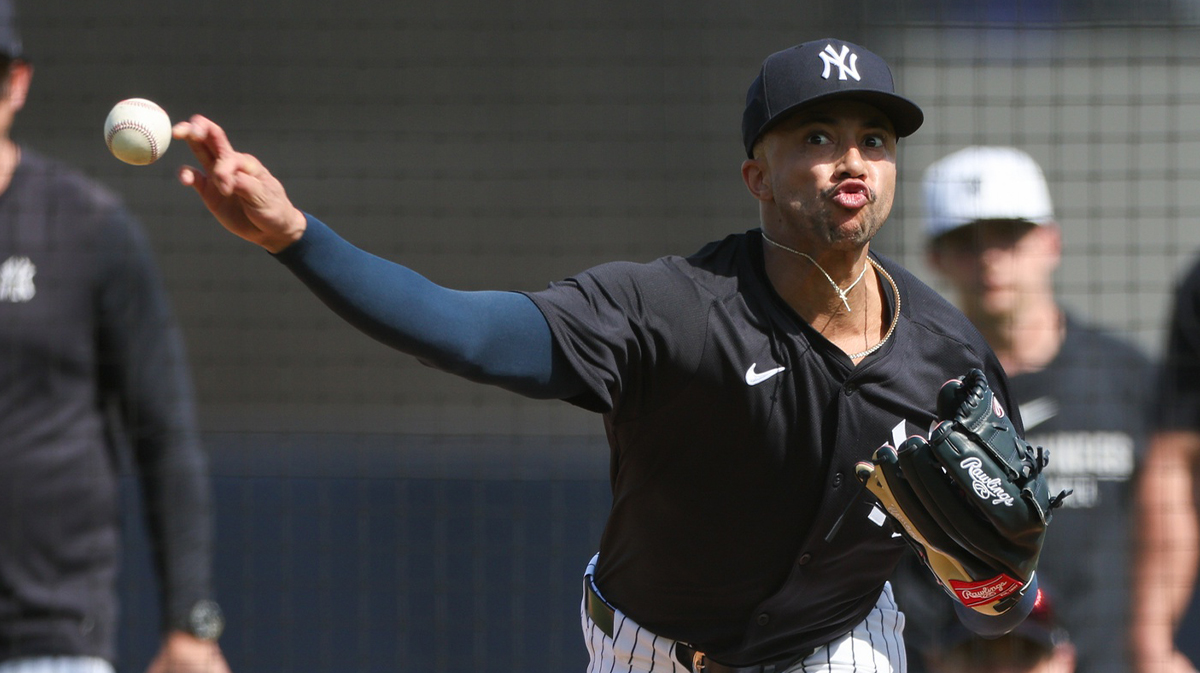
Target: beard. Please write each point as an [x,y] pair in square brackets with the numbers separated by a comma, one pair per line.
[827,221]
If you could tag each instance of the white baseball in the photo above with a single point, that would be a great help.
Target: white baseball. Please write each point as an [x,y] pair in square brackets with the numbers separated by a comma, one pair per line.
[137,131]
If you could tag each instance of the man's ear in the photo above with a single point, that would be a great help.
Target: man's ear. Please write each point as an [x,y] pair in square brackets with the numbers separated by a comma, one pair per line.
[1053,234]
[754,174]
[16,89]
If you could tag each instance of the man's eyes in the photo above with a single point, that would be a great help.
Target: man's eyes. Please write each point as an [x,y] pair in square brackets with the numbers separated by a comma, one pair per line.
[874,141]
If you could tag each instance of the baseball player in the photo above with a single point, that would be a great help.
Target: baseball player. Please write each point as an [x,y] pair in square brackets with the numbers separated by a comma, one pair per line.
[739,386]
[991,232]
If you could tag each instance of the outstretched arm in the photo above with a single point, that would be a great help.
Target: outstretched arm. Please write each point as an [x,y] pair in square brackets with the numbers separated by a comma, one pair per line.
[499,338]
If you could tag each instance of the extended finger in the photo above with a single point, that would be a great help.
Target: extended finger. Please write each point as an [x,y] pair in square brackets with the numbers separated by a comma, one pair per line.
[215,136]
[196,179]
[190,177]
[206,139]
[195,134]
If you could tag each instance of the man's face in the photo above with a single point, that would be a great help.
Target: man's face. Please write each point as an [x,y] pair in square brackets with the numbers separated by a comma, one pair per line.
[997,265]
[831,172]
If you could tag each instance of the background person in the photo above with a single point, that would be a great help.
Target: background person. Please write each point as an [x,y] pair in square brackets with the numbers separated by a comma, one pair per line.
[1168,523]
[992,236]
[90,357]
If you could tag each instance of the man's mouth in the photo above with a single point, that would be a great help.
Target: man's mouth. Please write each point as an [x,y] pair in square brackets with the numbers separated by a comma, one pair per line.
[852,196]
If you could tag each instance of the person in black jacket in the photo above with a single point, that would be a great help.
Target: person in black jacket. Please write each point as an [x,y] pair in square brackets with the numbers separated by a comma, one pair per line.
[89,354]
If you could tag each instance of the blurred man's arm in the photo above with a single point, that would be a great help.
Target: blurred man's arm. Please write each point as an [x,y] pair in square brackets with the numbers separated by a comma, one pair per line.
[1167,550]
[144,370]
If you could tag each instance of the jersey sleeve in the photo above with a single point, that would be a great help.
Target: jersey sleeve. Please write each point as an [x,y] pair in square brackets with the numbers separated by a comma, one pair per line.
[143,369]
[492,337]
[619,321]
[1178,396]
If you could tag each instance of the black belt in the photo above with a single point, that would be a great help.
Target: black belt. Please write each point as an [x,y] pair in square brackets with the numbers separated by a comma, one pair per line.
[601,614]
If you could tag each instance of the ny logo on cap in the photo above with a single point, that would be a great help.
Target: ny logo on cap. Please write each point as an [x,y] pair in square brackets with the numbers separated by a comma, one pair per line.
[832,58]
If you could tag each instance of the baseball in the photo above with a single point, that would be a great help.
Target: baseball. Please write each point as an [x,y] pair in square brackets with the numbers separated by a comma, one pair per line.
[137,131]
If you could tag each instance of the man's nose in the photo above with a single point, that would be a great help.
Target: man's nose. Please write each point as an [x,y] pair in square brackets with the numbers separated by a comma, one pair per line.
[851,163]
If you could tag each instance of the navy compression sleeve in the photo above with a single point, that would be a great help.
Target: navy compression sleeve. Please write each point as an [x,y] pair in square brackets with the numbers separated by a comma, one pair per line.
[492,337]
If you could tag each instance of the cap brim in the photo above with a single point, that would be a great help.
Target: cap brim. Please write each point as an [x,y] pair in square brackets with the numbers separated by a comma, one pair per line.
[934,232]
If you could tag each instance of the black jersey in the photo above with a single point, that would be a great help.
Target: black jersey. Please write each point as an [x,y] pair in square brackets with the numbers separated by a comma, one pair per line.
[734,428]
[1088,408]
[85,328]
[1177,406]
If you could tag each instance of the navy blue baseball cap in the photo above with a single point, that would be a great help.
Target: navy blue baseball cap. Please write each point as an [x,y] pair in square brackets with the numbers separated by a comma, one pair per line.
[818,71]
[10,38]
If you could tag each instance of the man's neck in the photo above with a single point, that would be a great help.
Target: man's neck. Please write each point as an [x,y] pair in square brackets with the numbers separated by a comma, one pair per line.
[1026,340]
[806,287]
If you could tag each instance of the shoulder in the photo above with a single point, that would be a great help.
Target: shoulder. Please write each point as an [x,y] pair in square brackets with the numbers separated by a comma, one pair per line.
[709,274]
[1187,294]
[927,311]
[1085,338]
[45,180]
[51,196]
[1088,350]
[1191,277]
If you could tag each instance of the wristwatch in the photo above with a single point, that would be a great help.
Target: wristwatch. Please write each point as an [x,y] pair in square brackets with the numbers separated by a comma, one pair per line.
[205,620]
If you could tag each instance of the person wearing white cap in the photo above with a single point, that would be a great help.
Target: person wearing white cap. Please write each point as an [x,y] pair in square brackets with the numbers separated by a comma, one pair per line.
[991,232]
[992,235]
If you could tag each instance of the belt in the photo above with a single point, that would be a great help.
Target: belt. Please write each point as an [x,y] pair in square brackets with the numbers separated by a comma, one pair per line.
[698,662]
[601,614]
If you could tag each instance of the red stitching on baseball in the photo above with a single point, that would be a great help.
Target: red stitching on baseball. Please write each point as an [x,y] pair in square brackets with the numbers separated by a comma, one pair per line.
[141,103]
[137,126]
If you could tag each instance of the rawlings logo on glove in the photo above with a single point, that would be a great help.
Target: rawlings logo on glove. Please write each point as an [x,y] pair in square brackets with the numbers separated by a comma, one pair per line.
[971,500]
[985,485]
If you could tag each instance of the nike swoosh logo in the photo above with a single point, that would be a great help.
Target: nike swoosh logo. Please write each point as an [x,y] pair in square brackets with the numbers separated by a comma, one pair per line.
[1036,412]
[754,378]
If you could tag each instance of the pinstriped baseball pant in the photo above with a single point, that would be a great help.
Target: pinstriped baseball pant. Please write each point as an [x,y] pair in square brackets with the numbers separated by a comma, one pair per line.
[875,645]
[52,664]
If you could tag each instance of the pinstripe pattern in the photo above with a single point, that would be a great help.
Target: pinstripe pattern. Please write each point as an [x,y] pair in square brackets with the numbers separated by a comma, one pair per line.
[56,665]
[875,645]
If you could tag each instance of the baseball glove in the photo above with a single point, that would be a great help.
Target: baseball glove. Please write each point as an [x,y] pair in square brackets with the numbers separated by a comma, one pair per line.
[971,500]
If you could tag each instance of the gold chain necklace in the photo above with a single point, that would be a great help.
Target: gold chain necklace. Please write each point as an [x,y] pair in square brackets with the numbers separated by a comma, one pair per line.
[842,294]
[895,316]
